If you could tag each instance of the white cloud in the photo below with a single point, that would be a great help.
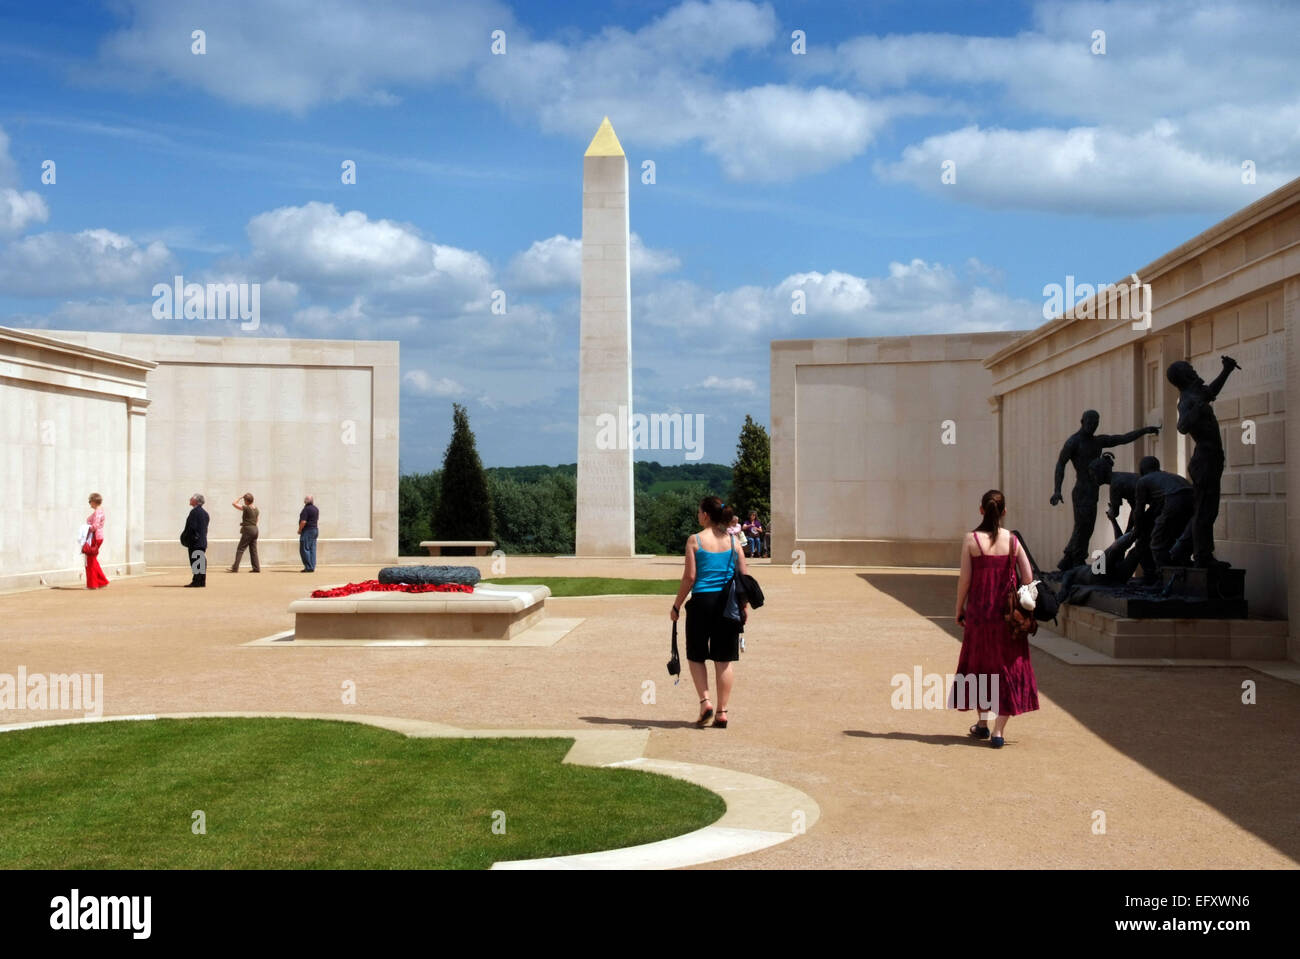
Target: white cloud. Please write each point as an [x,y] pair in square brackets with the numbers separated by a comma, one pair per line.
[556,263]
[422,384]
[663,85]
[291,55]
[773,132]
[663,82]
[731,384]
[20,210]
[914,297]
[315,245]
[1082,170]
[1149,127]
[8,170]
[99,261]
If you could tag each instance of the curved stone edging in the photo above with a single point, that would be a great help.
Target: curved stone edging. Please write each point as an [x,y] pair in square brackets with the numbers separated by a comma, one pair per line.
[760,812]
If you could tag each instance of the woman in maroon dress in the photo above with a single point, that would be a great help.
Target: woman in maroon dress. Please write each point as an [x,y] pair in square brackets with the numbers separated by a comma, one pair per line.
[997,660]
[95,578]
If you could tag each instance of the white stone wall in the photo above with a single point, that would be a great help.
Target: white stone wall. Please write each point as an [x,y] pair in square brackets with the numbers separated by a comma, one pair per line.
[861,472]
[67,428]
[277,418]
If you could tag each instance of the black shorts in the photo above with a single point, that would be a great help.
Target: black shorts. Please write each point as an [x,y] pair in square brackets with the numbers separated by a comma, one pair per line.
[708,634]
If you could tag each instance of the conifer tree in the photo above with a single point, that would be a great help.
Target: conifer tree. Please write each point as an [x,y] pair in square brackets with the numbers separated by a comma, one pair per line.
[751,474]
[464,503]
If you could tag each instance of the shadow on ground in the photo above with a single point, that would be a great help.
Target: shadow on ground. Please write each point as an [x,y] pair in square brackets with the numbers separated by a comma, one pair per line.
[1186,724]
[639,723]
[929,739]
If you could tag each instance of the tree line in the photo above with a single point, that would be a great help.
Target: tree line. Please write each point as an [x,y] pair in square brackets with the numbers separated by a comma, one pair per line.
[533,509]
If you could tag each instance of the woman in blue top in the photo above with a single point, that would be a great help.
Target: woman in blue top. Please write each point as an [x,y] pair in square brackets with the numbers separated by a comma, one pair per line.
[712,557]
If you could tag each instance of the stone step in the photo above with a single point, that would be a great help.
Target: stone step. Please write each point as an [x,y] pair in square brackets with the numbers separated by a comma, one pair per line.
[1125,638]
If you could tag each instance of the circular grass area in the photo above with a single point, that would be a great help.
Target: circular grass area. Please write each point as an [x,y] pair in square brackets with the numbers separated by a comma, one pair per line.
[315,794]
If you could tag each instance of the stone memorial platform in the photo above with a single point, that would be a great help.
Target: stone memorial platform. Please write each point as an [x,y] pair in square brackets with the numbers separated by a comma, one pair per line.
[489,613]
[1124,637]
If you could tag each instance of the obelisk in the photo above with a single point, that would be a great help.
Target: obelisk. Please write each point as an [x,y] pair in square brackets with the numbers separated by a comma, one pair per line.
[605,524]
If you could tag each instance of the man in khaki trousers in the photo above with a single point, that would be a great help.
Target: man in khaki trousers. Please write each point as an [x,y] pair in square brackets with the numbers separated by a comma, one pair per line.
[247,532]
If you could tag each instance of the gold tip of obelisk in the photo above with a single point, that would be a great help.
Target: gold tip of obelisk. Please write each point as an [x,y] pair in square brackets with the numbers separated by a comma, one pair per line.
[605,142]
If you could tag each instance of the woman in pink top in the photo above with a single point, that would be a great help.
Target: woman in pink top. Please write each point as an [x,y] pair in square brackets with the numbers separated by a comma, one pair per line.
[95,578]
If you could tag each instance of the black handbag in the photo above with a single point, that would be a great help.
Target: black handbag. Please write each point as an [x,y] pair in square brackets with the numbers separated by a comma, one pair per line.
[733,592]
[675,664]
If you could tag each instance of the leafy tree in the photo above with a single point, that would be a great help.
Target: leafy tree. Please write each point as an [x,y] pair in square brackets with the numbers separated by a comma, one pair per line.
[417,499]
[751,474]
[664,520]
[535,517]
[464,508]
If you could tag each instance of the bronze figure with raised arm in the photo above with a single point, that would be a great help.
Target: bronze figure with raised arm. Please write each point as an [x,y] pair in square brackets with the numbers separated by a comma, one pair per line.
[1205,469]
[1081,449]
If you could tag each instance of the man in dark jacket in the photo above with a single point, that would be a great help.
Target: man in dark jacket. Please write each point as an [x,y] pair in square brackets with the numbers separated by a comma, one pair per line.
[195,540]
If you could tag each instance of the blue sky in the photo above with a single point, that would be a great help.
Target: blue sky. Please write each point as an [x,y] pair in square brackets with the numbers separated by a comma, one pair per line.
[775,172]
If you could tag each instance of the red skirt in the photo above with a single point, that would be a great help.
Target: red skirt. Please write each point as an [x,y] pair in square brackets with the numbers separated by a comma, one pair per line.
[95,578]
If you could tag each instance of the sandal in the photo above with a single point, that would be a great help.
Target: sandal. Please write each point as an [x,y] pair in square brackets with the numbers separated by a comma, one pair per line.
[705,716]
[720,723]
[979,732]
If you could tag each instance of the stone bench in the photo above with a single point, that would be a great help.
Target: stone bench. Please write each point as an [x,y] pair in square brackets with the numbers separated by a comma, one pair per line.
[490,612]
[439,547]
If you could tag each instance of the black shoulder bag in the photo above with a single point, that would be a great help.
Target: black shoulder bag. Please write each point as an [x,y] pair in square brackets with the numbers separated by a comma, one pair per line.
[733,594]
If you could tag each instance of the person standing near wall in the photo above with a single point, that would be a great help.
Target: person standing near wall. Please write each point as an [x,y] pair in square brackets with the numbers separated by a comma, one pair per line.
[95,578]
[1003,678]
[194,537]
[308,530]
[247,532]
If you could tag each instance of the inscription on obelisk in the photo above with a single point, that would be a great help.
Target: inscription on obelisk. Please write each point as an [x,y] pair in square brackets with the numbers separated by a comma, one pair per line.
[605,522]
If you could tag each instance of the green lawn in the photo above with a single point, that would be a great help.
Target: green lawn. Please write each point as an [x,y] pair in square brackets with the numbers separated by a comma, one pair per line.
[592,585]
[309,794]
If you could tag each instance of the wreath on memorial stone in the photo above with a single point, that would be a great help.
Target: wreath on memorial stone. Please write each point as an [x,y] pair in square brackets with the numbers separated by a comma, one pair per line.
[375,586]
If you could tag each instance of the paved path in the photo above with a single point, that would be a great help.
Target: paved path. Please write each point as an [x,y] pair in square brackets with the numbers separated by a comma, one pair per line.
[1185,774]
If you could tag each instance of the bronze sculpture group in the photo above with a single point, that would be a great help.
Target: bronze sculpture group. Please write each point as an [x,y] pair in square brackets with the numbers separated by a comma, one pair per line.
[1171,521]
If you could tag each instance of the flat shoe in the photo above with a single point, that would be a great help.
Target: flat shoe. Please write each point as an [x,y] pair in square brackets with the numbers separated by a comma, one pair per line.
[997,742]
[979,732]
